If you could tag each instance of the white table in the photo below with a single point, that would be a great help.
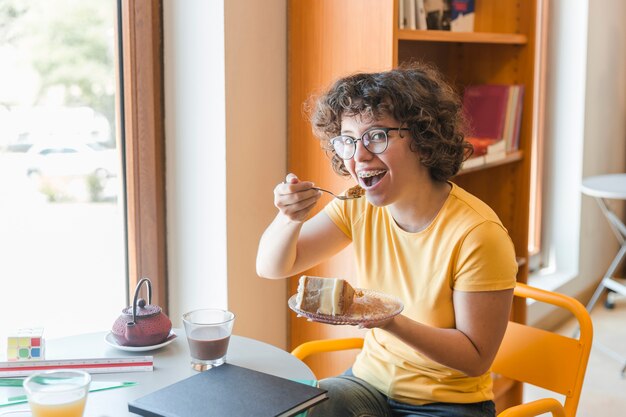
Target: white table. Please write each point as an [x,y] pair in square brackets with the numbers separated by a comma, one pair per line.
[171,364]
[603,188]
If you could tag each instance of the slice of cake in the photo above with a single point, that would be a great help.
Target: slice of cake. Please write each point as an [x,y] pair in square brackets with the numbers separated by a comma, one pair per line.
[329,296]
[355,192]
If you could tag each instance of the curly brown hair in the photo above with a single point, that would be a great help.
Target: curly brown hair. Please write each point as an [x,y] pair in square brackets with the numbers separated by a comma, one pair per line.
[416,95]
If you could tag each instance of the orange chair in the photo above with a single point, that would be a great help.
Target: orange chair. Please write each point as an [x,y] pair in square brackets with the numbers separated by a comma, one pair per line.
[546,359]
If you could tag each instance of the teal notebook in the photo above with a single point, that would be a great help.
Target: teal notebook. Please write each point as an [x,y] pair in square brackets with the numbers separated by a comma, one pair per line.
[311,383]
[20,399]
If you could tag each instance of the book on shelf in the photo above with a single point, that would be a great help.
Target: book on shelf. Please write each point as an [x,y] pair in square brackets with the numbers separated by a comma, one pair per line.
[462,15]
[408,15]
[486,150]
[496,151]
[513,141]
[401,17]
[485,108]
[437,14]
[412,14]
[473,162]
[421,15]
[494,112]
[229,390]
[513,118]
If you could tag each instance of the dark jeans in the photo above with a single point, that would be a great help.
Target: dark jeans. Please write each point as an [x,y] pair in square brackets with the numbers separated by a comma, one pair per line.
[350,396]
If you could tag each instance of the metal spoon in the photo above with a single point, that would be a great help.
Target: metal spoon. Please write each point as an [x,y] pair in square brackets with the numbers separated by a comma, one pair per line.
[340,197]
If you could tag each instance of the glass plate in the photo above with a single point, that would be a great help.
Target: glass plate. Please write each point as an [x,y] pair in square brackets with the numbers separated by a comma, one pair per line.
[369,306]
[111,342]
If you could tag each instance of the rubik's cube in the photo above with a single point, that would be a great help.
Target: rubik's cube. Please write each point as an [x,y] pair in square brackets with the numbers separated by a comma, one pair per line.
[25,345]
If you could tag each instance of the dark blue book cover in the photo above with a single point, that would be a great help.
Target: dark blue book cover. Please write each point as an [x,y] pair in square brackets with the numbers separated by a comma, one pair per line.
[229,391]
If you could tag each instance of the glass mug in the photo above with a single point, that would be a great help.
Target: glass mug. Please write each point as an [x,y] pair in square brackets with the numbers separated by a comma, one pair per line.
[208,334]
[58,393]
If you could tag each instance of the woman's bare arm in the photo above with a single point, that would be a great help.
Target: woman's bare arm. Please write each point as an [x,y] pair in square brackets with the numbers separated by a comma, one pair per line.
[481,320]
[291,244]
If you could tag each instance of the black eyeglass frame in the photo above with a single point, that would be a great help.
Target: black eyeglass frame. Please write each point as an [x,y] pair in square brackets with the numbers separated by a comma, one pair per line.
[385,130]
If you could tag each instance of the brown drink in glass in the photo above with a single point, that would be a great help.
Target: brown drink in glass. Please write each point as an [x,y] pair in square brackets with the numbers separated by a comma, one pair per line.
[208,343]
[208,333]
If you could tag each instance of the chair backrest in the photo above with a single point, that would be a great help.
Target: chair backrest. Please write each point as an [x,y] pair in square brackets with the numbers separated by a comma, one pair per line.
[326,345]
[548,360]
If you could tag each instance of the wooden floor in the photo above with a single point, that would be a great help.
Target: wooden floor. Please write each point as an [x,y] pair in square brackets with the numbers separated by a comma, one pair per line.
[604,389]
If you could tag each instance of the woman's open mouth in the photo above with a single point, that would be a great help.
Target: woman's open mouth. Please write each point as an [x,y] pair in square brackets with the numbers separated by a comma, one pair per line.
[370,178]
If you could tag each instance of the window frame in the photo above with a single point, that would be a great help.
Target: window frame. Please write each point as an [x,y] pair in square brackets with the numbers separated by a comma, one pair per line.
[141,113]
[537,257]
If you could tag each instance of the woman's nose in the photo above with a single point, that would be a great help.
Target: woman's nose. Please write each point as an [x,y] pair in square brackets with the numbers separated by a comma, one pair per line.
[361,153]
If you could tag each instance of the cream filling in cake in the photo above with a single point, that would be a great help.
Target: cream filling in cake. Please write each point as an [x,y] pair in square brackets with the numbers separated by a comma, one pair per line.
[300,293]
[325,295]
[329,299]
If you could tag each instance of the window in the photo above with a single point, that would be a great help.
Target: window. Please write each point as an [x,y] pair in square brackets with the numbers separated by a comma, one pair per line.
[560,168]
[74,236]
[142,79]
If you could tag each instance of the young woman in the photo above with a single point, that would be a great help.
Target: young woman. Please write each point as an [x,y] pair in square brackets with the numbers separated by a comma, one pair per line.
[416,235]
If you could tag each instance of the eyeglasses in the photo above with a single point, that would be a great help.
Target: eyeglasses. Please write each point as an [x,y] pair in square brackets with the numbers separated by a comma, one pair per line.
[375,141]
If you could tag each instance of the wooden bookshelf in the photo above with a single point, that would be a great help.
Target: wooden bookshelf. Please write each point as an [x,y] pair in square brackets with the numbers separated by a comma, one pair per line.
[507,159]
[332,38]
[464,37]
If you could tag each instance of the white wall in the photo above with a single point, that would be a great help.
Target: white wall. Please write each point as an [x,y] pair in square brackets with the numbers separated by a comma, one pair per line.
[605,128]
[225,105]
[585,135]
[195,154]
[256,128]
[564,136]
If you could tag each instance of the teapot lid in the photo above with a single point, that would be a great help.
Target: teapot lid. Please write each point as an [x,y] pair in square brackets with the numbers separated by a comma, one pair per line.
[140,308]
[143,310]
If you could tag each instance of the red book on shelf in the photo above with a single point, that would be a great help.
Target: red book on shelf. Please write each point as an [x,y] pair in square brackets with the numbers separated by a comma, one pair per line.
[487,149]
[518,119]
[480,145]
[485,106]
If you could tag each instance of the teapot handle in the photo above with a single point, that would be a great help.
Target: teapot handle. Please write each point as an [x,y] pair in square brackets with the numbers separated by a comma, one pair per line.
[147,281]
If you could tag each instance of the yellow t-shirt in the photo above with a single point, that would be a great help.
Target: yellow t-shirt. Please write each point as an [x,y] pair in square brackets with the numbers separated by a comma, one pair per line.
[465,248]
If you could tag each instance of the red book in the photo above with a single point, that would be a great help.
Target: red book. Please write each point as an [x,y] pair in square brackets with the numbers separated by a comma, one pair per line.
[481,145]
[485,106]
[518,119]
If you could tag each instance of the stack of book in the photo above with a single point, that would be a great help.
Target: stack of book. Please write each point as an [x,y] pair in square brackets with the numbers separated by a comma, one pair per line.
[494,113]
[453,15]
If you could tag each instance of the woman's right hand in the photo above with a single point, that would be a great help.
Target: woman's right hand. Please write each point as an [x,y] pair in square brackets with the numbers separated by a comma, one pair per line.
[295,199]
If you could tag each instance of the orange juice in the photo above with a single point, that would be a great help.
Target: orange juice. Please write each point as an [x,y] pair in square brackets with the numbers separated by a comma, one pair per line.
[59,405]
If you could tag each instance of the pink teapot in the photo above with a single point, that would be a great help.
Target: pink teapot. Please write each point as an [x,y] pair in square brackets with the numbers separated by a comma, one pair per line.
[141,324]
